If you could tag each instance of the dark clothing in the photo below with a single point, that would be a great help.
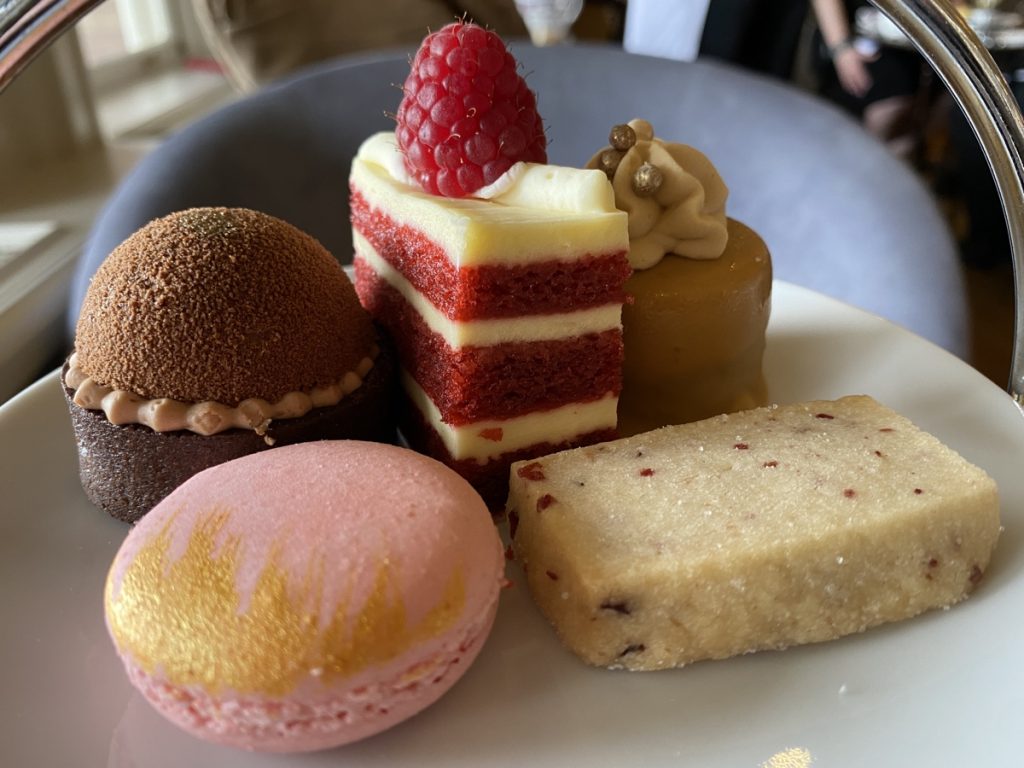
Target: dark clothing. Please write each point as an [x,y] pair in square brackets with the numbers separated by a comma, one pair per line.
[988,241]
[761,35]
[895,72]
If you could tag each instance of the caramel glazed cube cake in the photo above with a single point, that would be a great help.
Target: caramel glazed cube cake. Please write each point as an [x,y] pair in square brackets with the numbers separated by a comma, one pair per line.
[758,530]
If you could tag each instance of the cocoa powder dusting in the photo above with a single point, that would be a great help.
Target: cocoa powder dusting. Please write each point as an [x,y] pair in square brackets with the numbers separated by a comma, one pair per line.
[221,304]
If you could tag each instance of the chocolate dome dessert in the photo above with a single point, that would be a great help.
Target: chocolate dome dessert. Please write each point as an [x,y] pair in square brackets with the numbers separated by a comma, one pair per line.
[210,334]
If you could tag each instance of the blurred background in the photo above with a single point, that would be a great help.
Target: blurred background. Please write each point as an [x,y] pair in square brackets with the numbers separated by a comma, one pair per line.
[132,72]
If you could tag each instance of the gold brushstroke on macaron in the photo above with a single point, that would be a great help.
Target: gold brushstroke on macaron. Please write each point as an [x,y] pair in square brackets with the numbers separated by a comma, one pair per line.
[184,620]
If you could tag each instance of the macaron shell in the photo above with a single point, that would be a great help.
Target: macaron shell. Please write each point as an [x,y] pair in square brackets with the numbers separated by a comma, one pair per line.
[331,576]
[293,724]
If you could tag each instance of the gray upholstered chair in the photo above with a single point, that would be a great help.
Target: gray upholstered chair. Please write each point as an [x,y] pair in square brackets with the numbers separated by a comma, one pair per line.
[840,214]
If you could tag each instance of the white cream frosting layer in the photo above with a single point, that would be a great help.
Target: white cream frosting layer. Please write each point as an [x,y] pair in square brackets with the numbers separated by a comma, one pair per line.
[535,212]
[489,439]
[479,333]
[207,418]
[686,216]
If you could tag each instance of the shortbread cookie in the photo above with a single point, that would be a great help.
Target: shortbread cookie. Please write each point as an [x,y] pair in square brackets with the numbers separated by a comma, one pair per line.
[763,529]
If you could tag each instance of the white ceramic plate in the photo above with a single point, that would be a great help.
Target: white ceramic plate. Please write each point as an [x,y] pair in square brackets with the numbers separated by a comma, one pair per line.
[944,689]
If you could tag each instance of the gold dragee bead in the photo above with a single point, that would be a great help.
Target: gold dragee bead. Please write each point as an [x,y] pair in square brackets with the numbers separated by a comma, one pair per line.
[609,161]
[622,137]
[647,180]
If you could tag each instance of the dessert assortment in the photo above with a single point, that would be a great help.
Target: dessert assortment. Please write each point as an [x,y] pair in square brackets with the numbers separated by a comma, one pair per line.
[305,597]
[758,530]
[560,337]
[210,334]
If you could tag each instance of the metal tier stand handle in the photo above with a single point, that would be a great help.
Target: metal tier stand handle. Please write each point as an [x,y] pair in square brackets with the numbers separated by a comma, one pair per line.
[954,51]
[27,27]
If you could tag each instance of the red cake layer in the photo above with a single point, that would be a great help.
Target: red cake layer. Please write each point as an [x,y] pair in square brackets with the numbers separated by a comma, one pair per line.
[490,479]
[500,381]
[470,293]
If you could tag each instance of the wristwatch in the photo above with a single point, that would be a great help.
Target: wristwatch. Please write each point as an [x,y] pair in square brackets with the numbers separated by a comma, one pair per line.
[842,45]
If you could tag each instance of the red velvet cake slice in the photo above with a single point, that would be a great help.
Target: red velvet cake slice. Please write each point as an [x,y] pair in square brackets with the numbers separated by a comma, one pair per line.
[505,307]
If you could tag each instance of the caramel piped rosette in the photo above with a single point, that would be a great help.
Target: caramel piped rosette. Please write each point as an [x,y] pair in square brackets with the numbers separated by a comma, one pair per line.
[701,288]
[209,334]
[672,192]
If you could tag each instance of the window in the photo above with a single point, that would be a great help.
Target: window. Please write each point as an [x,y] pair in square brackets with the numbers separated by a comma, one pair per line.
[121,28]
[79,115]
[123,40]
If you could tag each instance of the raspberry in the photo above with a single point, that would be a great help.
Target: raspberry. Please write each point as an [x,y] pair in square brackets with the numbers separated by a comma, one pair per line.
[467,115]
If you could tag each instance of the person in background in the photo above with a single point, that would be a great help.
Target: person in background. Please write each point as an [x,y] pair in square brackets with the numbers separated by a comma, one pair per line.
[669,29]
[877,85]
[760,35]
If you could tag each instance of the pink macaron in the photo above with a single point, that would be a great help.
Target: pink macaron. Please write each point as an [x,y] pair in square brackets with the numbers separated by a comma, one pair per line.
[305,597]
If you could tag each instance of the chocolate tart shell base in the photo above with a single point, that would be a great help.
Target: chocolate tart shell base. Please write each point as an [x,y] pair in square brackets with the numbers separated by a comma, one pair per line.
[126,470]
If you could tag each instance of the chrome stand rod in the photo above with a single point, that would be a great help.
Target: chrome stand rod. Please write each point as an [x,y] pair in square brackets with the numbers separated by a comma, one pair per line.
[955,52]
